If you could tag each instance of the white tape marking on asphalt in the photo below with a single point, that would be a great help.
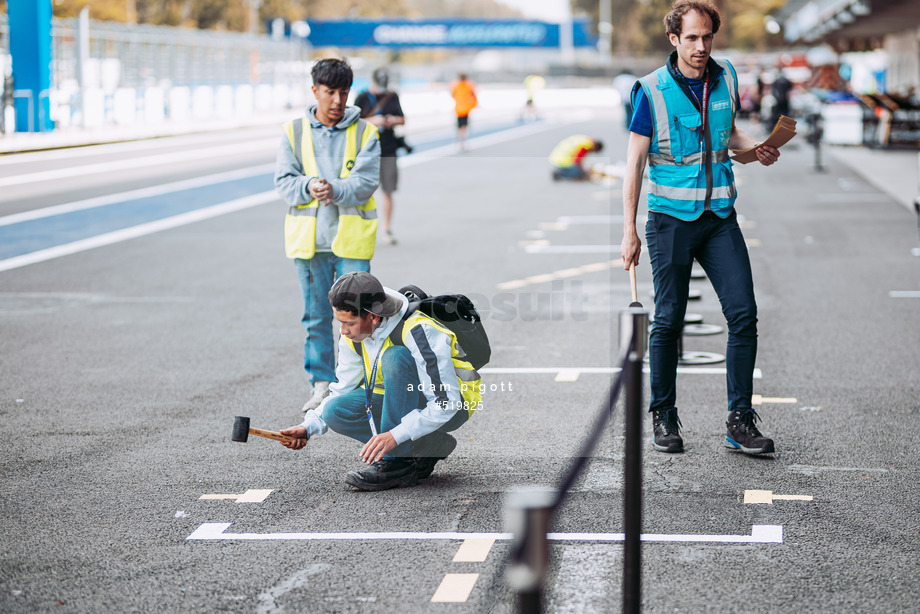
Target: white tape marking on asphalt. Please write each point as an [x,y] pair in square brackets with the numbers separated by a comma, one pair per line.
[455,588]
[129,163]
[568,375]
[571,249]
[758,374]
[138,231]
[474,551]
[157,190]
[904,294]
[760,400]
[767,496]
[216,531]
[595,267]
[250,496]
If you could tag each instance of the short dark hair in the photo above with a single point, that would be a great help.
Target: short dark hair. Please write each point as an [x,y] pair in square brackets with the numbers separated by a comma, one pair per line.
[674,21]
[333,73]
[598,145]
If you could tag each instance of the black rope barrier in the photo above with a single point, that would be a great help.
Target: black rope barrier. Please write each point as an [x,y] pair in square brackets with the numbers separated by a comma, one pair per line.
[529,511]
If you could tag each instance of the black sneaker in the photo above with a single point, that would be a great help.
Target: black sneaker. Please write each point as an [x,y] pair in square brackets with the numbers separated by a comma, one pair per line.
[667,431]
[438,445]
[743,434]
[384,475]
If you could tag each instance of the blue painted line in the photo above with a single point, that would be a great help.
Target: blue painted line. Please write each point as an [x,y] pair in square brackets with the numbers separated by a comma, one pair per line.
[35,235]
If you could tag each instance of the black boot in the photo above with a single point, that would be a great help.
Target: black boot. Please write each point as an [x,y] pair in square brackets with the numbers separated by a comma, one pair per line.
[667,431]
[435,447]
[384,474]
[743,434]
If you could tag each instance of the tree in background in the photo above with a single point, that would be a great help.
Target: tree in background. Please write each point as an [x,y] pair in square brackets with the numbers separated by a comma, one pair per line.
[638,27]
[234,14]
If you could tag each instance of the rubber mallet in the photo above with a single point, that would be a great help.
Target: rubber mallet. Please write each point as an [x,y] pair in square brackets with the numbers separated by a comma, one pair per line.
[632,282]
[242,431]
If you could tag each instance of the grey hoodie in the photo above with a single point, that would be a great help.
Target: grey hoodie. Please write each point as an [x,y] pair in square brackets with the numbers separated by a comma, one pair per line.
[329,149]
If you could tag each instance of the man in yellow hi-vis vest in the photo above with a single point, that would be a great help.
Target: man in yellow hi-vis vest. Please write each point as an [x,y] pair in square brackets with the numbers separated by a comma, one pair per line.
[403,384]
[327,170]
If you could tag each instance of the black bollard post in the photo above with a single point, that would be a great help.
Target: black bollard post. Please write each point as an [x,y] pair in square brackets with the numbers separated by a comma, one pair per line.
[528,513]
[637,322]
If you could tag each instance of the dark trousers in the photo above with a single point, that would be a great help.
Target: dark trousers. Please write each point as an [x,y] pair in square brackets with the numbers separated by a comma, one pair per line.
[718,245]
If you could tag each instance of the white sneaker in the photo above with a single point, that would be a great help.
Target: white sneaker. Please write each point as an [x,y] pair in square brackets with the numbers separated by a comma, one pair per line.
[320,392]
[388,238]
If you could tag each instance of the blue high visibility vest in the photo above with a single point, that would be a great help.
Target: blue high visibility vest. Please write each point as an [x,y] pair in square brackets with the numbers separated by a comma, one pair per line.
[676,158]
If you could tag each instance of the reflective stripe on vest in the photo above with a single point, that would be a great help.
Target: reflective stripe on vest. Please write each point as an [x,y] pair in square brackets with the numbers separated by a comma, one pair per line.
[677,177]
[356,235]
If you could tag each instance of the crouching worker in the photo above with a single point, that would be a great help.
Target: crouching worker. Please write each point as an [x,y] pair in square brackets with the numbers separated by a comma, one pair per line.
[422,386]
[568,157]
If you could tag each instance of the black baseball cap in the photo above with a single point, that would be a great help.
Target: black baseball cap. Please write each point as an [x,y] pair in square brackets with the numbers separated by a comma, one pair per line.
[362,291]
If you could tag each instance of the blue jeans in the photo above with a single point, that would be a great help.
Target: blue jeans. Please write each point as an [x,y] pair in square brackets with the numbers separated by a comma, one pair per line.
[316,277]
[718,245]
[346,414]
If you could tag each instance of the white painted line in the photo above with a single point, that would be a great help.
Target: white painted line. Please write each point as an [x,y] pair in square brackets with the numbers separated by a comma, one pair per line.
[250,496]
[758,374]
[129,163]
[476,143]
[767,496]
[569,375]
[915,251]
[455,588]
[474,551]
[595,267]
[111,199]
[759,400]
[216,531]
[138,231]
[571,249]
[904,294]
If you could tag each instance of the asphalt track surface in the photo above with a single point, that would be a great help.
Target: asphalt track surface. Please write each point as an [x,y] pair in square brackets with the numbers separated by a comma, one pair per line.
[124,363]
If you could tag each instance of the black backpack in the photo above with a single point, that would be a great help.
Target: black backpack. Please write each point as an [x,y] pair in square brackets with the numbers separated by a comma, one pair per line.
[457,313]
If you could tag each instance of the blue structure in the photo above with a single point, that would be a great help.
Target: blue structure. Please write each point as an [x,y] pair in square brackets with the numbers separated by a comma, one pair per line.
[30,46]
[457,33]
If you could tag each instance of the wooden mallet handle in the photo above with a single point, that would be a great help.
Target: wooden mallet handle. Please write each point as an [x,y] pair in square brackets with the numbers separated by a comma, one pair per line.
[270,435]
[632,281]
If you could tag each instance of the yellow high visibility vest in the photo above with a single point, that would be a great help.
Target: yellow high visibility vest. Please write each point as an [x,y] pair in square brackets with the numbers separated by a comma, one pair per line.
[356,236]
[468,379]
[563,155]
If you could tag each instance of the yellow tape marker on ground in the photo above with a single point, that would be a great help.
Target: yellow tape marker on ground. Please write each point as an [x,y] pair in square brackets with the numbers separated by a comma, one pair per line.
[767,496]
[455,588]
[474,550]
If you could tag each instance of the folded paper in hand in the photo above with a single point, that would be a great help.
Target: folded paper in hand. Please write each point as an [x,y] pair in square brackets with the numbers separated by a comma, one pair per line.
[782,134]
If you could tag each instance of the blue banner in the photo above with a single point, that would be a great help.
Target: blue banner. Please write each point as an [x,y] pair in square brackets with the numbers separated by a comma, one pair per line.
[443,33]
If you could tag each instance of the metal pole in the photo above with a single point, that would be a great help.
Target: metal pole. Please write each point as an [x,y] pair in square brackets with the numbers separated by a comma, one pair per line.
[637,321]
[528,512]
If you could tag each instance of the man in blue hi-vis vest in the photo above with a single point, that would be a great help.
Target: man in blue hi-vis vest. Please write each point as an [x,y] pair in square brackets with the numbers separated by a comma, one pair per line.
[684,126]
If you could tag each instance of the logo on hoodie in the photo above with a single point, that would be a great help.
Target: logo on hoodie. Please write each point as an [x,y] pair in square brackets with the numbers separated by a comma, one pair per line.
[350,164]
